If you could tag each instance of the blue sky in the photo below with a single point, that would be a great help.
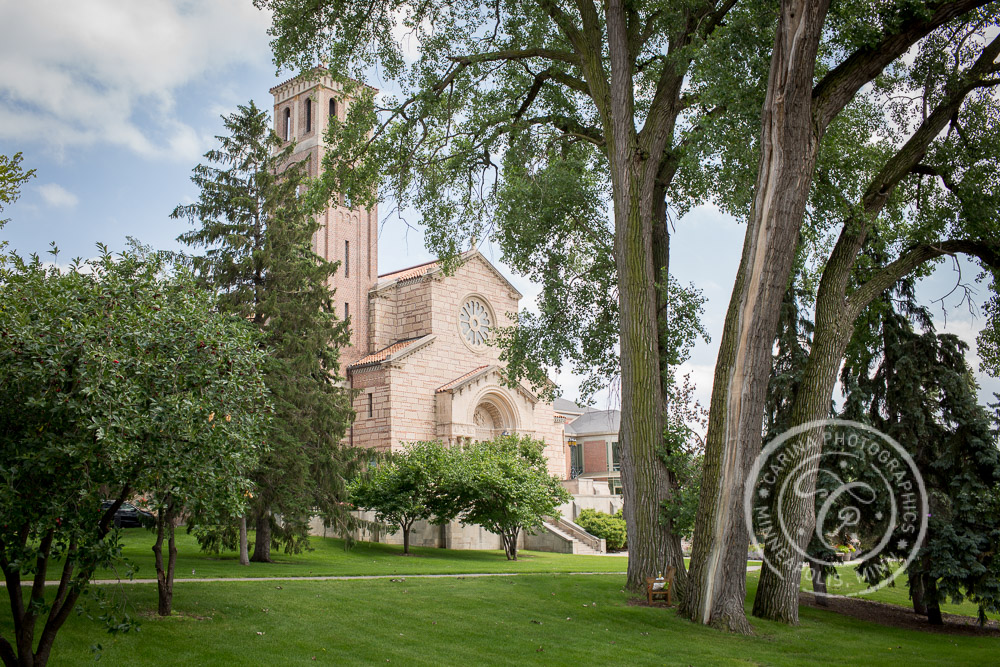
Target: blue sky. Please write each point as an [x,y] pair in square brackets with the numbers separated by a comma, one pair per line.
[114,101]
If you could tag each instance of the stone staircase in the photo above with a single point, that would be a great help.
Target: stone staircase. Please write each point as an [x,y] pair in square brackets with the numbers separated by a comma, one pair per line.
[572,538]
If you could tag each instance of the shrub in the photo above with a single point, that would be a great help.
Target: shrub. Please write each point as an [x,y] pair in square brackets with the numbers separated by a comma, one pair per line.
[609,526]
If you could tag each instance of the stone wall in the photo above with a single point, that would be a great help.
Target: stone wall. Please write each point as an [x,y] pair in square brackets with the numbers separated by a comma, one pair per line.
[371,431]
[454,535]
[430,304]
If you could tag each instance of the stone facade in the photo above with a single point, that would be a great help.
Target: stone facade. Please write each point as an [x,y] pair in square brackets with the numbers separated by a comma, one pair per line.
[419,363]
[425,380]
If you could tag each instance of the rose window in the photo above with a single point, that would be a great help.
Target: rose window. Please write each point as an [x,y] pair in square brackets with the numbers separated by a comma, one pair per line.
[474,320]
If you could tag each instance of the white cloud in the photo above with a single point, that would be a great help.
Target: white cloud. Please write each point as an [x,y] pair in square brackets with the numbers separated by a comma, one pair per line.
[57,196]
[107,71]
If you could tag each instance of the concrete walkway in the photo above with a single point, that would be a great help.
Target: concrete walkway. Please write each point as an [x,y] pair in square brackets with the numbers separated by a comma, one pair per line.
[205,580]
[359,577]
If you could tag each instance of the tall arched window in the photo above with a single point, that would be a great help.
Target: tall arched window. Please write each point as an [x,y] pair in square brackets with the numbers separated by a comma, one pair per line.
[309,115]
[288,124]
[333,108]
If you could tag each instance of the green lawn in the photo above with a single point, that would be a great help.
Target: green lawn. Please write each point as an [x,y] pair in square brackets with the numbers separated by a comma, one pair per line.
[537,619]
[328,557]
[546,618]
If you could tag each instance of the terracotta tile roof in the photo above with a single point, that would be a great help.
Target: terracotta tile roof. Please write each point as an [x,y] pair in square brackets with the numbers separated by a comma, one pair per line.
[411,272]
[457,381]
[384,353]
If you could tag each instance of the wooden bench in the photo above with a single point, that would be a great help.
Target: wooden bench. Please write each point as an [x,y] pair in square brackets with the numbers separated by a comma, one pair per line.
[666,591]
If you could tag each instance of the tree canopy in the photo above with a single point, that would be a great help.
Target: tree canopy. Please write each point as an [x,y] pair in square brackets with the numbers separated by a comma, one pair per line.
[110,374]
[504,486]
[409,486]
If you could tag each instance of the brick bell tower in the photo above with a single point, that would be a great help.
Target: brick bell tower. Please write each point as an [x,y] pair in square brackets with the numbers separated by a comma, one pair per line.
[302,112]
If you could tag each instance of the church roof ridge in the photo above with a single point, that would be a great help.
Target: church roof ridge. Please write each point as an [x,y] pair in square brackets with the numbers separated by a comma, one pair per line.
[410,271]
[426,268]
[385,353]
[464,378]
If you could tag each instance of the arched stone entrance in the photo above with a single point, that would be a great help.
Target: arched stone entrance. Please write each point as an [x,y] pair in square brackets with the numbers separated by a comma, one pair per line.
[493,416]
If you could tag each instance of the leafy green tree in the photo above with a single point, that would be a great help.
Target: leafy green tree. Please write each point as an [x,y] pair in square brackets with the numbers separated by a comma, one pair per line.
[899,223]
[257,234]
[408,486]
[918,389]
[988,341]
[109,374]
[818,97]
[504,486]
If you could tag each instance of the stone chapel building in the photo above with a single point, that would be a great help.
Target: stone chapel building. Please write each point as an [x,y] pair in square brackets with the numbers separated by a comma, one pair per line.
[419,359]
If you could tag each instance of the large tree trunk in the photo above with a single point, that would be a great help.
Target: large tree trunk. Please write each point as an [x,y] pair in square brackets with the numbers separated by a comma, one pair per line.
[406,537]
[644,476]
[244,552]
[717,581]
[165,574]
[262,538]
[643,473]
[777,596]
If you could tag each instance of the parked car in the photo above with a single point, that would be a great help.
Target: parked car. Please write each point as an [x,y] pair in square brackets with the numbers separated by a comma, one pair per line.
[129,516]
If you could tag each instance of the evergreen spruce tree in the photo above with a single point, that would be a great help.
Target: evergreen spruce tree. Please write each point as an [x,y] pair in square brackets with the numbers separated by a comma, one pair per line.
[919,389]
[257,233]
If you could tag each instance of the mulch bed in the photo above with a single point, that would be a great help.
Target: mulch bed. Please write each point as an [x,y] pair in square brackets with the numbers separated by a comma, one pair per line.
[895,616]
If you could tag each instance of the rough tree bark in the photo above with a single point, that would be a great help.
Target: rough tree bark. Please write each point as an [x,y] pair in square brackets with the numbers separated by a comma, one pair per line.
[262,538]
[668,482]
[717,581]
[634,161]
[794,117]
